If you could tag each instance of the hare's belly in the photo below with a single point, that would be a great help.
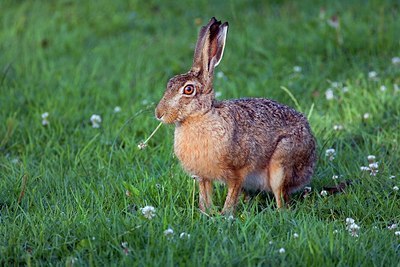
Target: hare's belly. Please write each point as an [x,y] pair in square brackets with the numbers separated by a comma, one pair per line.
[257,181]
[201,157]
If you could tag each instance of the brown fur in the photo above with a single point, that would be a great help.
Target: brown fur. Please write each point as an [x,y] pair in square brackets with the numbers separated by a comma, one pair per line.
[250,143]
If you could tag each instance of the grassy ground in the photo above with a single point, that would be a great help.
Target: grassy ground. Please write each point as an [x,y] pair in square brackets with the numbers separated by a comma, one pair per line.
[84,187]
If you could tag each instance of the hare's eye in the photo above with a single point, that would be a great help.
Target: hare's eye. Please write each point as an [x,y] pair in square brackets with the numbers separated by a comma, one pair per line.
[188,90]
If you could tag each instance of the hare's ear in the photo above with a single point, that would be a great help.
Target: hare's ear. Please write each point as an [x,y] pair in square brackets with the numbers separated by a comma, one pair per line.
[217,45]
[210,47]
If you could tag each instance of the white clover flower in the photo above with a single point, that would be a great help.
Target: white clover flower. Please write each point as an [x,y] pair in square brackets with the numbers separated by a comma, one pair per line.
[373,168]
[397,233]
[335,177]
[395,188]
[117,109]
[396,60]
[45,120]
[338,127]
[371,158]
[336,231]
[372,75]
[345,89]
[142,145]
[220,75]
[124,244]
[295,235]
[169,232]
[307,189]
[366,116]
[281,250]
[218,94]
[297,69]
[271,242]
[382,88]
[373,165]
[333,22]
[95,120]
[330,153]
[149,212]
[329,94]
[392,177]
[392,226]
[184,235]
[324,193]
[364,168]
[352,227]
[335,84]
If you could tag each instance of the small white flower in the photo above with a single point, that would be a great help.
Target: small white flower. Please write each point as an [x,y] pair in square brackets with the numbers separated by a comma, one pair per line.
[397,233]
[295,235]
[145,102]
[336,231]
[149,212]
[45,120]
[364,168]
[335,84]
[335,177]
[345,89]
[297,69]
[324,193]
[271,242]
[371,158]
[338,127]
[329,94]
[383,88]
[117,109]
[366,116]
[307,189]
[184,235]
[392,226]
[169,232]
[396,60]
[124,244]
[45,115]
[95,120]
[330,153]
[372,75]
[349,221]
[282,250]
[373,165]
[353,226]
[395,188]
[333,22]
[218,94]
[220,75]
[142,145]
[392,177]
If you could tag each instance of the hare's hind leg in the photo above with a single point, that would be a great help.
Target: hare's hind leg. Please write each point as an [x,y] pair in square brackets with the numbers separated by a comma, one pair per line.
[205,194]
[276,180]
[278,173]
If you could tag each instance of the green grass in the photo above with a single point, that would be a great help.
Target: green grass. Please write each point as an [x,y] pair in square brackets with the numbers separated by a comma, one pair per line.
[78,58]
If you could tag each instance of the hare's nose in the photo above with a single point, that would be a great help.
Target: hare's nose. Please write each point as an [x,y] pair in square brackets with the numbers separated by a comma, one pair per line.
[159,115]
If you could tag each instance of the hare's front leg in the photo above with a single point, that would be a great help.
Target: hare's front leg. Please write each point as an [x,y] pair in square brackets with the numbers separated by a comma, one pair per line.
[234,189]
[205,194]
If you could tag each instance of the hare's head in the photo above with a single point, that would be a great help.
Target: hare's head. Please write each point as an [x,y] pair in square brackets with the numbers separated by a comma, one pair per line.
[192,93]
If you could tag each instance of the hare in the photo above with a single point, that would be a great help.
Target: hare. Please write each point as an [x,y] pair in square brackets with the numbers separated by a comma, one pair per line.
[249,143]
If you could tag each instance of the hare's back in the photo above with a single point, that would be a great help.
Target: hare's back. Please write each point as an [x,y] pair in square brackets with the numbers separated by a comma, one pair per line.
[262,113]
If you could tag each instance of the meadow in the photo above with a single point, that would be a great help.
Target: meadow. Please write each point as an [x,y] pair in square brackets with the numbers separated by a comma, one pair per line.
[76,190]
